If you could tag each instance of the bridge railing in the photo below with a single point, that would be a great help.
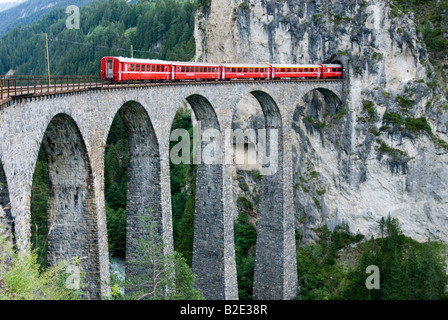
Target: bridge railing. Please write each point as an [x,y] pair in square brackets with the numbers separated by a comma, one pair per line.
[22,86]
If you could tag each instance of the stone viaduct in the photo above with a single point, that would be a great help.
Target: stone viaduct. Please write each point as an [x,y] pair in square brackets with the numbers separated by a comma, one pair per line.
[73,127]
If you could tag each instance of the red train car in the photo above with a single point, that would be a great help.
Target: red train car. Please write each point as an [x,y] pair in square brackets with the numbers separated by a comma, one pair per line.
[196,71]
[116,69]
[245,71]
[335,71]
[281,71]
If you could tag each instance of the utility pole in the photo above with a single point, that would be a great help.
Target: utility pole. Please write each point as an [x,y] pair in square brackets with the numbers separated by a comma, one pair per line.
[132,51]
[47,59]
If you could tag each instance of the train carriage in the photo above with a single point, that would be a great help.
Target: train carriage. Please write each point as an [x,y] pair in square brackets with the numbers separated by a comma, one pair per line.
[116,69]
[196,71]
[282,71]
[119,69]
[332,71]
[245,71]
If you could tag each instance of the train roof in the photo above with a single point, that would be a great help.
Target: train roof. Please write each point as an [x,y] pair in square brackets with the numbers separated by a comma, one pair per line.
[295,65]
[245,65]
[138,60]
[332,65]
[199,64]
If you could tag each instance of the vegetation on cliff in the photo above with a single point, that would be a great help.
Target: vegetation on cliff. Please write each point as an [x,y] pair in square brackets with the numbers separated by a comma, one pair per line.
[335,267]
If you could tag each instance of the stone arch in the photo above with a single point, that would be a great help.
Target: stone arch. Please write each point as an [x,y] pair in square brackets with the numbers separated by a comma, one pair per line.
[319,121]
[6,219]
[143,177]
[213,250]
[72,216]
[275,273]
[318,104]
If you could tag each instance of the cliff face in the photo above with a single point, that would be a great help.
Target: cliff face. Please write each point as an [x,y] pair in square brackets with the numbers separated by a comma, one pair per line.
[386,151]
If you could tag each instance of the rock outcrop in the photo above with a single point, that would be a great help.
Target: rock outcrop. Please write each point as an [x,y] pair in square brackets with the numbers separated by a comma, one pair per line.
[385,151]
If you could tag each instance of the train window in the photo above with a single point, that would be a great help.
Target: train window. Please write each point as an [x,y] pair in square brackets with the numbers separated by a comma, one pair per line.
[137,67]
[132,67]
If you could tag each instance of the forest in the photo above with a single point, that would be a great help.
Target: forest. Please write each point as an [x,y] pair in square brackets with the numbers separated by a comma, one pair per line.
[334,267]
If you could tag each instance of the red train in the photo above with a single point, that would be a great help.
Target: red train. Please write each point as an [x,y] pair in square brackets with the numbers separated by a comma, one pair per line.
[119,69]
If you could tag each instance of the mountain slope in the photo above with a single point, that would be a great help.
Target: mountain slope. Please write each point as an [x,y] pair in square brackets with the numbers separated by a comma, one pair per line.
[7,5]
[158,30]
[30,11]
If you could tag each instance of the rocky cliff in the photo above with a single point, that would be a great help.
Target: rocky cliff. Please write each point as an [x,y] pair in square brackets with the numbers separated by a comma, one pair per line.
[385,152]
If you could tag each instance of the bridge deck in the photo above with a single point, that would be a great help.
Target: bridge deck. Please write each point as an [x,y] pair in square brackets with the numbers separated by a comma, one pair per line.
[9,90]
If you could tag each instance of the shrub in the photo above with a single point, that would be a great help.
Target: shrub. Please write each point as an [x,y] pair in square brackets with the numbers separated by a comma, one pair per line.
[23,278]
[417,125]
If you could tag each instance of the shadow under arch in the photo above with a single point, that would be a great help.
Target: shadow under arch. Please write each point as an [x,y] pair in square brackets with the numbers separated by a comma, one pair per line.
[71,211]
[213,256]
[275,272]
[6,219]
[330,98]
[320,104]
[143,197]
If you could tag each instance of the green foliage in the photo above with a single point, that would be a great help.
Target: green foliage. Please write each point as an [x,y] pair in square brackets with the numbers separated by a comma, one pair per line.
[396,154]
[116,230]
[369,106]
[183,192]
[115,186]
[405,102]
[245,240]
[245,6]
[314,122]
[430,22]
[416,125]
[161,29]
[204,5]
[24,279]
[164,276]
[393,118]
[245,203]
[39,209]
[320,277]
[341,113]
[408,269]
[335,266]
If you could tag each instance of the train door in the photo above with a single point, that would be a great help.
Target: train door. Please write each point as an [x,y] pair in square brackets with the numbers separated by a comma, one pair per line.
[109,68]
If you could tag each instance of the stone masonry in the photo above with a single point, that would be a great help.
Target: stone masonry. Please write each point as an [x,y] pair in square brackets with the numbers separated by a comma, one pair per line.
[73,128]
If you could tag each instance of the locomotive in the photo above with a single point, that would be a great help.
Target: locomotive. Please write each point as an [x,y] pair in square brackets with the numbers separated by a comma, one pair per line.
[120,69]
